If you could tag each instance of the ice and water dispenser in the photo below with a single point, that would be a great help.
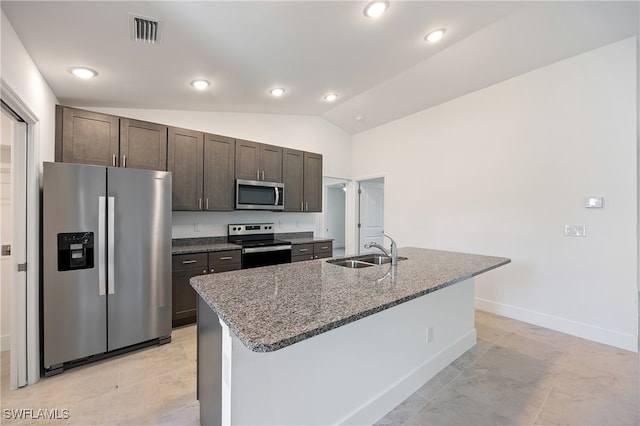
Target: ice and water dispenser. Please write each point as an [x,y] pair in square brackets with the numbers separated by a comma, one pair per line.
[75,251]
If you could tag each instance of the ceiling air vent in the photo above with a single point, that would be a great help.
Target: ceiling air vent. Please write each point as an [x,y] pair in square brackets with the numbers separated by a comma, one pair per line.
[144,29]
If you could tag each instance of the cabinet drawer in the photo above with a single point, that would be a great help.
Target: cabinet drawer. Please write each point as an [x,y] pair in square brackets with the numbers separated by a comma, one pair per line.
[321,250]
[214,269]
[217,258]
[302,258]
[189,261]
[301,249]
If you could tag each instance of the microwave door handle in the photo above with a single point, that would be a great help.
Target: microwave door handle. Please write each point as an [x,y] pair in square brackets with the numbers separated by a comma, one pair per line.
[277,195]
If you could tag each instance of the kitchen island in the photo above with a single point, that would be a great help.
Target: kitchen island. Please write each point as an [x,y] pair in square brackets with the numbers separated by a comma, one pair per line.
[318,343]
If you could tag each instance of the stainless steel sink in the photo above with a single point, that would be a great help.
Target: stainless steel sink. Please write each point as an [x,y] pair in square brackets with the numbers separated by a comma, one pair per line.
[362,261]
[350,263]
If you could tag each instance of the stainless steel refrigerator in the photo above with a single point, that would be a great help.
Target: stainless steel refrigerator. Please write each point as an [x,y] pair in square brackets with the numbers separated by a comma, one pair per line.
[106,261]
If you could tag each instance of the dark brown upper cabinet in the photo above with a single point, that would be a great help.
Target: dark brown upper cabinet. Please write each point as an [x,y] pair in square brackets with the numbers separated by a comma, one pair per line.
[184,160]
[219,172]
[143,145]
[203,170]
[86,137]
[302,174]
[258,161]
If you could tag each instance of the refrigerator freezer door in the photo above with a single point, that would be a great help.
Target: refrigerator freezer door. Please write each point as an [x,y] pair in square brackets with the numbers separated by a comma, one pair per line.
[73,308]
[139,299]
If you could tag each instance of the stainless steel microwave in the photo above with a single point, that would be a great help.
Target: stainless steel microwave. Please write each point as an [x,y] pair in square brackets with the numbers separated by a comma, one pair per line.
[259,195]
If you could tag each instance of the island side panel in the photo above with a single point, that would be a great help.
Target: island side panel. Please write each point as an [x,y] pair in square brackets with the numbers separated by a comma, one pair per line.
[209,384]
[356,373]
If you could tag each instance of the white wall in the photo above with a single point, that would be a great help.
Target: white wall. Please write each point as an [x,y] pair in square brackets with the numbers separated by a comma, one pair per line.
[292,131]
[23,77]
[502,170]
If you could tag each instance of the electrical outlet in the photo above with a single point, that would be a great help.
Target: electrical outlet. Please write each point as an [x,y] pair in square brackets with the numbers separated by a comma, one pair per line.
[429,334]
[575,230]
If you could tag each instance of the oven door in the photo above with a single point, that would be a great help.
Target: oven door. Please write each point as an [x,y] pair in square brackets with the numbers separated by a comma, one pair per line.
[254,257]
[259,195]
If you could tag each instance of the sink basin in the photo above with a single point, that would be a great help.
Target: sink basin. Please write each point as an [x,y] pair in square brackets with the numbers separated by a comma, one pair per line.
[375,259]
[363,261]
[350,263]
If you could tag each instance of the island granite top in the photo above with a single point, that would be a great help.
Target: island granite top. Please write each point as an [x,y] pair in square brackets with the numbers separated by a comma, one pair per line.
[272,307]
[198,248]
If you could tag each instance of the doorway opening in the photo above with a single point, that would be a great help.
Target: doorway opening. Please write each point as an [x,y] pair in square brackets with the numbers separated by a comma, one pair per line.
[370,213]
[335,213]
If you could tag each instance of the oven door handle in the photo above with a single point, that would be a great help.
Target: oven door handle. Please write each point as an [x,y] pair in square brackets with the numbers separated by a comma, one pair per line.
[265,249]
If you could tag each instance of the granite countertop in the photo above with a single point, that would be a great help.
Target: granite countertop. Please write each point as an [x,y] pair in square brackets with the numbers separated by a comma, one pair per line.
[198,248]
[308,240]
[272,307]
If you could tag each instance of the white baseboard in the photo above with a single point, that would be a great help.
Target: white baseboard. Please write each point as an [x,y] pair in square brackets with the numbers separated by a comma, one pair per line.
[564,325]
[5,342]
[410,383]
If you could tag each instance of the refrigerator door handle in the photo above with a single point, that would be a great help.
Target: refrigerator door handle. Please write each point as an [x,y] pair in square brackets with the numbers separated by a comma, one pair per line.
[102,206]
[111,244]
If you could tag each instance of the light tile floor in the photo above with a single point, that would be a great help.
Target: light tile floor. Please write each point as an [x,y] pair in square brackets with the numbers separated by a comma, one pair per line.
[517,374]
[521,374]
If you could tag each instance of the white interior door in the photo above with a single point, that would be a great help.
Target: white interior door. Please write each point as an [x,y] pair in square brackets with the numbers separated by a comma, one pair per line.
[371,213]
[17,274]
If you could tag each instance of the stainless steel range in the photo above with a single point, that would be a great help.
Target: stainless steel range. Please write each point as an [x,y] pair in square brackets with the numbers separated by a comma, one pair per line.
[259,247]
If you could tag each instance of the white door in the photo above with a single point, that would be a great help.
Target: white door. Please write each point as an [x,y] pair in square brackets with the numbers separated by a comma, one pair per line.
[15,130]
[371,213]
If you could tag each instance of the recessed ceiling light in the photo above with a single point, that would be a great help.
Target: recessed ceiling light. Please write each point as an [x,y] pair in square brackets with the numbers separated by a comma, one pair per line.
[330,97]
[434,36]
[277,92]
[82,72]
[375,9]
[200,84]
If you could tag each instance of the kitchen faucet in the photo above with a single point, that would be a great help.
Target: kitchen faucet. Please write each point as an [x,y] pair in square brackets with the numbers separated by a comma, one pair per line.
[394,249]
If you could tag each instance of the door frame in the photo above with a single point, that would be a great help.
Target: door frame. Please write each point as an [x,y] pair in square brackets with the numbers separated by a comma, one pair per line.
[27,317]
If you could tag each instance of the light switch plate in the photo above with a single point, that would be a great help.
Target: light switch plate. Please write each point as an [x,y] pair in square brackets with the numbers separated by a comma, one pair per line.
[593,202]
[575,230]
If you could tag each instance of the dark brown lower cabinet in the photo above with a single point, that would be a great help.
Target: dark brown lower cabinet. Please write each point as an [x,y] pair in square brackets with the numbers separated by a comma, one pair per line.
[302,252]
[187,266]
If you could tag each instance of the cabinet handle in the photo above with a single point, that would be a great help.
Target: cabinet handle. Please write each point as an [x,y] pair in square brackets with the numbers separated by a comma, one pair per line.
[188,262]
[212,270]
[207,204]
[301,250]
[114,160]
[124,161]
[324,248]
[199,203]
[204,271]
[226,258]
[301,206]
[263,175]
[257,174]
[306,206]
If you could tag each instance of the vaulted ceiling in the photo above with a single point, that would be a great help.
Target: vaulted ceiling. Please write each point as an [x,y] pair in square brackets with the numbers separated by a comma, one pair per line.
[382,69]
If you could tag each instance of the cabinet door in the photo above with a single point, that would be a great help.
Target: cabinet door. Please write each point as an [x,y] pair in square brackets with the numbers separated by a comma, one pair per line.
[219,172]
[292,176]
[184,297]
[247,160]
[312,182]
[86,137]
[184,160]
[143,145]
[270,163]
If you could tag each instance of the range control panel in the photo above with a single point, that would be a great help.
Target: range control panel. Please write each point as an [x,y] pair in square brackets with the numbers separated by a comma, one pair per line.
[75,251]
[251,229]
